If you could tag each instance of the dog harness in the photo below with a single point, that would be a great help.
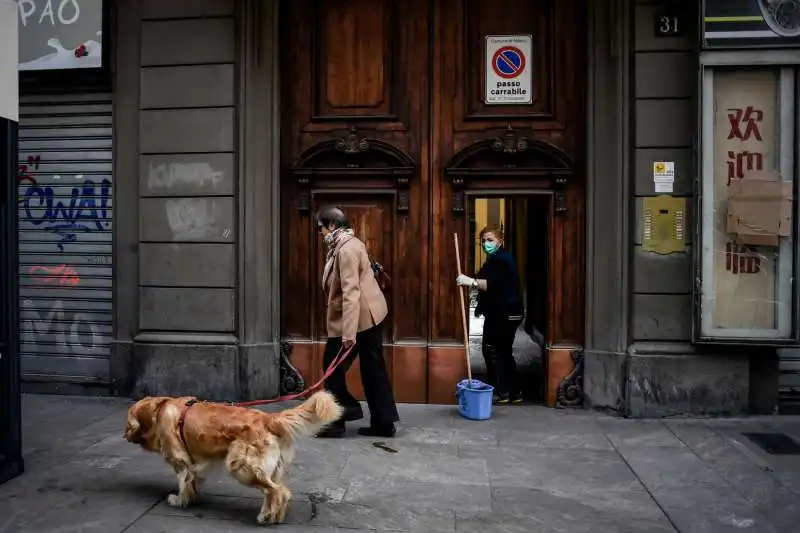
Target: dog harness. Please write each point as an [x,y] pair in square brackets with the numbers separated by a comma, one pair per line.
[182,421]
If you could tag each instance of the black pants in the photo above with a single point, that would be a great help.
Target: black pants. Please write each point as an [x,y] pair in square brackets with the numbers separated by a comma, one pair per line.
[498,351]
[377,387]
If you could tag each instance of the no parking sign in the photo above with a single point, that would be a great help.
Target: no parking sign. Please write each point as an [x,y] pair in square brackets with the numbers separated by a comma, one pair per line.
[508,69]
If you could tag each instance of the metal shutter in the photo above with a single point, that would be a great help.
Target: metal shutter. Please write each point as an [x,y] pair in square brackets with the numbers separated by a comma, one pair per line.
[65,238]
[789,381]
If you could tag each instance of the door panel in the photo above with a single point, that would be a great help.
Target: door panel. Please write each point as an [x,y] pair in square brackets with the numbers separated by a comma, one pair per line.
[461,120]
[371,218]
[354,76]
[353,39]
[507,17]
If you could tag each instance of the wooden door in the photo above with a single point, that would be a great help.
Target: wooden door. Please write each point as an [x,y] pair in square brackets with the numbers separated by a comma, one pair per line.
[494,148]
[384,110]
[355,129]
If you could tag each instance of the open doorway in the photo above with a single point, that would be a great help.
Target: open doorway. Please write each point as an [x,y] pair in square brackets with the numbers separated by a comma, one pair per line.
[525,221]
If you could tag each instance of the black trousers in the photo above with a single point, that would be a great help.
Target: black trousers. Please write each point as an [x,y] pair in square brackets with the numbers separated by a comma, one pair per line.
[498,351]
[377,387]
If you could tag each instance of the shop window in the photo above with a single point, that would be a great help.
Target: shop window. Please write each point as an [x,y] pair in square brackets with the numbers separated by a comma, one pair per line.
[746,260]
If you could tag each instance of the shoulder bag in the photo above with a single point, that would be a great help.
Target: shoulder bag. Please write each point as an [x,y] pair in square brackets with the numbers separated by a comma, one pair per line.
[381,276]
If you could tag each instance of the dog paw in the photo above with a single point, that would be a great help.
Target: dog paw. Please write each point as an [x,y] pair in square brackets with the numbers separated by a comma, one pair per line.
[264,518]
[175,501]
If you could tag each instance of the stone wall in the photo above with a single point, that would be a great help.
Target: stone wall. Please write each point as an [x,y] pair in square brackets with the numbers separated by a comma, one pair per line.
[181,309]
[666,375]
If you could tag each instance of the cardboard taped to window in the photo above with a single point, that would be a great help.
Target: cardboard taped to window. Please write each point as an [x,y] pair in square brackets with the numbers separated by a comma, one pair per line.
[759,211]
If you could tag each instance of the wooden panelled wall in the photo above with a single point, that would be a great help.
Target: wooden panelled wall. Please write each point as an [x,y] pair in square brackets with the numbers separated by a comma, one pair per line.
[380,100]
[665,124]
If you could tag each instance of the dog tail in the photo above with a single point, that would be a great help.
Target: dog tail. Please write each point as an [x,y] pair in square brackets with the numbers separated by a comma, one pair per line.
[310,416]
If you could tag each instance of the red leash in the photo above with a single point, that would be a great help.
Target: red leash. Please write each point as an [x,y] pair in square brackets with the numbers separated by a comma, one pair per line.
[338,360]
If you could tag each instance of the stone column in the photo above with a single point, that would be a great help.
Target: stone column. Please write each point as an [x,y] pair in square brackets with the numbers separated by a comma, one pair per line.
[196,213]
[607,204]
[259,200]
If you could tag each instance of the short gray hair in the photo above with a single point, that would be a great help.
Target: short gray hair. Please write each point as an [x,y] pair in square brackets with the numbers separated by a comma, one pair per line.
[332,215]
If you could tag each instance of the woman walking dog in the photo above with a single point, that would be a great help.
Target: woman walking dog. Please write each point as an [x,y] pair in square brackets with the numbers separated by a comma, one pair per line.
[356,309]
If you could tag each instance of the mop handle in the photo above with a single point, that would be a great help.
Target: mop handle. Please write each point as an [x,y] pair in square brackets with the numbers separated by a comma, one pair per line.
[463,312]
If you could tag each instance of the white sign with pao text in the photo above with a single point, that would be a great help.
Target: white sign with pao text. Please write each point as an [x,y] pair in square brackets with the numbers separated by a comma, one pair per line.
[508,69]
[60,34]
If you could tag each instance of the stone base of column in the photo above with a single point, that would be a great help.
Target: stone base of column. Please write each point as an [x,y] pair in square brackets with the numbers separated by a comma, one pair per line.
[222,371]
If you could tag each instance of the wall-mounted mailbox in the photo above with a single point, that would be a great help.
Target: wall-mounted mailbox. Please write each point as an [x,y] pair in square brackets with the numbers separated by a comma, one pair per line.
[664,224]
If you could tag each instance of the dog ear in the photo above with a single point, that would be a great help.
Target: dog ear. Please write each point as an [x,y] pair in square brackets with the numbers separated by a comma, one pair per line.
[159,404]
[142,418]
[133,429]
[147,412]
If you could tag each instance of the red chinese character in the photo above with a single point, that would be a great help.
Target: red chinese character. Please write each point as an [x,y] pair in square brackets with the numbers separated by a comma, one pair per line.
[747,117]
[739,161]
[741,259]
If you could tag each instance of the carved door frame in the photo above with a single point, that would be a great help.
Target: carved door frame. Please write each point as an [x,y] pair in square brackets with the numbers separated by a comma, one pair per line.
[515,165]
[553,281]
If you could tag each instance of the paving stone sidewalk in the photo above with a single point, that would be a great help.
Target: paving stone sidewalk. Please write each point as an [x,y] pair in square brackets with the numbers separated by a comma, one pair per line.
[527,470]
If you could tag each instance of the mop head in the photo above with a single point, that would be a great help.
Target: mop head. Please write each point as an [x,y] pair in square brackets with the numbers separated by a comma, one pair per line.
[474,385]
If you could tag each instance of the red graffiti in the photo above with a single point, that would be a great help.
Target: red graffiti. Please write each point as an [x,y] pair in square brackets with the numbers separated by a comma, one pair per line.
[748,117]
[741,259]
[62,275]
[22,170]
[738,162]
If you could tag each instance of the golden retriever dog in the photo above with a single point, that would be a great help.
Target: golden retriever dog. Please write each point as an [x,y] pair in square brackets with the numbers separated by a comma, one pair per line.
[257,448]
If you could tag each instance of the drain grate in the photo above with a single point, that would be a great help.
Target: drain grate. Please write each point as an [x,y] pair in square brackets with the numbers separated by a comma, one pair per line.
[775,443]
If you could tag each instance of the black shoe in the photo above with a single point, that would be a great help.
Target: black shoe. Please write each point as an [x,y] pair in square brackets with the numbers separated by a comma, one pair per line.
[333,431]
[384,431]
[501,399]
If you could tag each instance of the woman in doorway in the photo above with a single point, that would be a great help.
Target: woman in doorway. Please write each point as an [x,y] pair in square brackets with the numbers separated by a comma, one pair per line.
[356,309]
[500,302]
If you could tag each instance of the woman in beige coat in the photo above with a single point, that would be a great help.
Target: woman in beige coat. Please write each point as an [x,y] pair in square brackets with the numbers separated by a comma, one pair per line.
[356,309]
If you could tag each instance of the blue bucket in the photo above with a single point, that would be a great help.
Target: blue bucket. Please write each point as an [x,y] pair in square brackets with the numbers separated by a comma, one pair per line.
[474,399]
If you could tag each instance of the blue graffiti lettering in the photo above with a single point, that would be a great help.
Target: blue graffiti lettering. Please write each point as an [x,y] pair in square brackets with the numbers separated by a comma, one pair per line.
[85,210]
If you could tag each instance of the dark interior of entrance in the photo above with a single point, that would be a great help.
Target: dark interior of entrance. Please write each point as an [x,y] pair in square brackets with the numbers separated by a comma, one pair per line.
[524,220]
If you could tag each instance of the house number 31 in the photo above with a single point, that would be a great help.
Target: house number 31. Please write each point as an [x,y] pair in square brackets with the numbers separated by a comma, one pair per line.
[668,25]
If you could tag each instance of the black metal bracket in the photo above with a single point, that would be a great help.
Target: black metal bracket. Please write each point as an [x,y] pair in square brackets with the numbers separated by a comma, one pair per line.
[291,380]
[570,390]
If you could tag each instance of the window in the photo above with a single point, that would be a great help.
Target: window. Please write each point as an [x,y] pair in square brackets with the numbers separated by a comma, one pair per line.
[747,224]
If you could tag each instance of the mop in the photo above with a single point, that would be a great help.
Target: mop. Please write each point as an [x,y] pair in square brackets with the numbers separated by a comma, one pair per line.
[463,311]
[474,397]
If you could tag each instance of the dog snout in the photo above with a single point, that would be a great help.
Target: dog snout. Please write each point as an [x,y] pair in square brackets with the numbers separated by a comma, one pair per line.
[133,435]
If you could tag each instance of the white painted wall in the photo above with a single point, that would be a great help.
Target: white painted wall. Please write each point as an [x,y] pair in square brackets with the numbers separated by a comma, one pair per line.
[9,57]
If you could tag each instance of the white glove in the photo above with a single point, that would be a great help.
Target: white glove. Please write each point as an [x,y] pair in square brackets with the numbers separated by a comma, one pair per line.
[465,281]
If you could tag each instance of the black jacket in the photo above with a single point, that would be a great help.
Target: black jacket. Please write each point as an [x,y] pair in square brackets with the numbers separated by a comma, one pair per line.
[501,298]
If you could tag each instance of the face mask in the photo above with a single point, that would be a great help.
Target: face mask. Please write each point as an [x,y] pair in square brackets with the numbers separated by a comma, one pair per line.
[490,247]
[328,238]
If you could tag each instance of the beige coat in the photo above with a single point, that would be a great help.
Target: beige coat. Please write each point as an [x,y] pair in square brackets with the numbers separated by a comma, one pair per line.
[354,300]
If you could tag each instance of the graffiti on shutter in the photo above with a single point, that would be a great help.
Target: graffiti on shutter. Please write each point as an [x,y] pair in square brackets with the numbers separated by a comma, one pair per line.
[65,237]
